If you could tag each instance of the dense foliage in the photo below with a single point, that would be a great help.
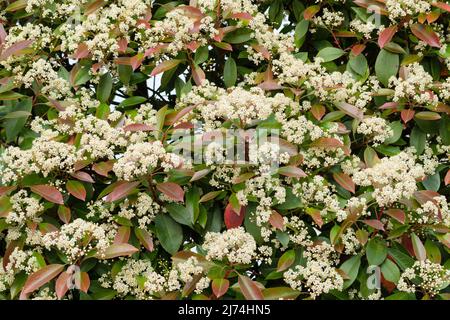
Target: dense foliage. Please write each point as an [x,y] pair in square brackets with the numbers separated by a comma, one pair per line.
[116,181]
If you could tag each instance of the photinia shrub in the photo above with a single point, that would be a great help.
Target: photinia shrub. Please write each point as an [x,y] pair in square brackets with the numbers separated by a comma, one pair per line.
[224,149]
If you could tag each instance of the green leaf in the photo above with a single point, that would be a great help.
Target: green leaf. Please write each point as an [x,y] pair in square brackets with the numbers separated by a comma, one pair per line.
[432,182]
[201,55]
[286,260]
[376,251]
[132,101]
[433,252]
[330,53]
[169,233]
[403,260]
[351,268]
[180,214]
[418,139]
[238,36]
[300,31]
[104,87]
[390,271]
[230,73]
[14,126]
[386,66]
[397,129]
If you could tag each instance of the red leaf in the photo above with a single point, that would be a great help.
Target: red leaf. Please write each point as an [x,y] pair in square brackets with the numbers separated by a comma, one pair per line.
[138,127]
[123,44]
[386,36]
[397,214]
[231,218]
[316,216]
[376,224]
[276,220]
[220,287]
[122,235]
[82,176]
[358,49]
[250,289]
[350,110]
[345,181]
[122,190]
[48,192]
[85,282]
[389,105]
[117,250]
[41,277]
[165,66]
[242,16]
[407,115]
[76,188]
[171,190]
[426,34]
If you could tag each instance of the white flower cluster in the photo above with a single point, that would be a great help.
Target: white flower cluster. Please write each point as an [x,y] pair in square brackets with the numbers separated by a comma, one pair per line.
[144,208]
[24,209]
[141,158]
[393,178]
[401,8]
[19,260]
[426,275]
[319,275]
[376,129]
[77,239]
[235,245]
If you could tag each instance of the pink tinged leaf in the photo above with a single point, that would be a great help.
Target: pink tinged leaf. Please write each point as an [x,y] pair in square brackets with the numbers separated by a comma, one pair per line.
[117,250]
[61,286]
[418,248]
[122,190]
[138,127]
[345,181]
[350,110]
[389,105]
[376,224]
[3,34]
[407,115]
[165,66]
[82,176]
[193,45]
[200,174]
[123,45]
[250,289]
[310,12]
[441,5]
[5,207]
[220,287]
[175,117]
[64,214]
[397,214]
[293,172]
[386,36]
[81,52]
[316,216]
[41,277]
[318,111]
[122,235]
[136,61]
[276,220]
[76,189]
[6,190]
[358,49]
[156,49]
[103,168]
[286,260]
[146,24]
[48,192]
[262,50]
[423,196]
[199,75]
[224,46]
[373,5]
[232,218]
[426,34]
[447,178]
[15,49]
[242,16]
[85,282]
[171,190]
[327,143]
[144,238]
